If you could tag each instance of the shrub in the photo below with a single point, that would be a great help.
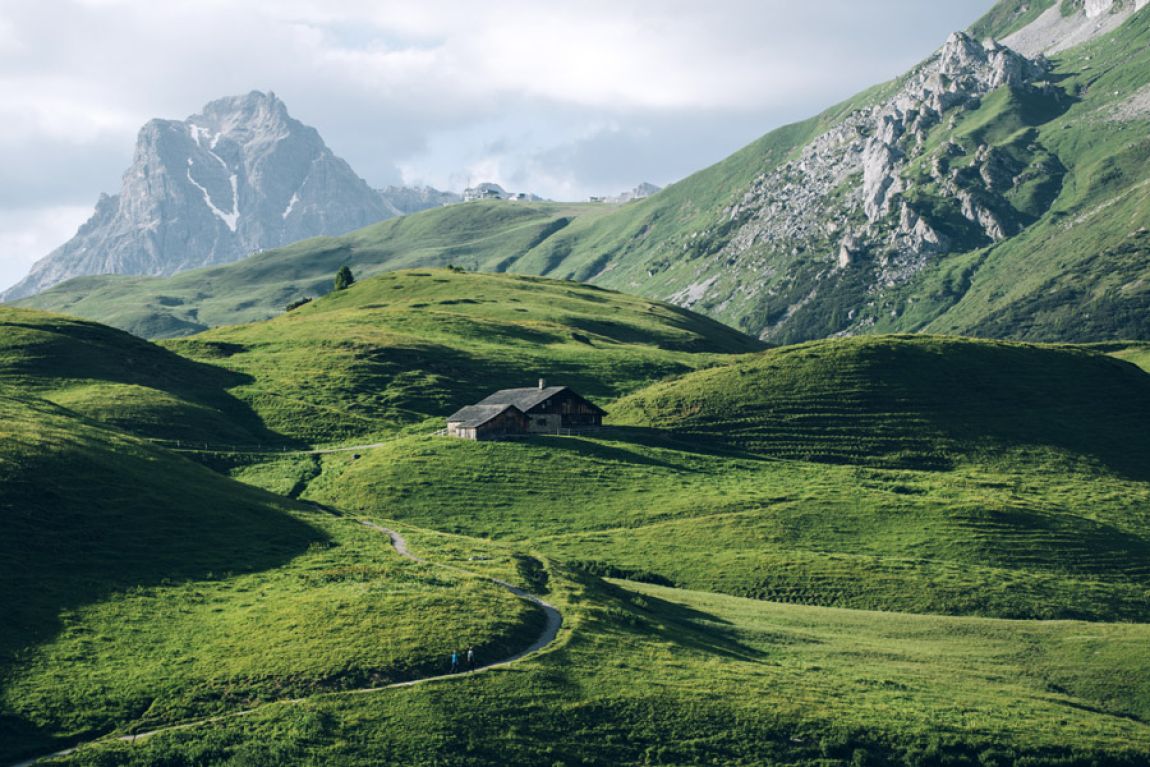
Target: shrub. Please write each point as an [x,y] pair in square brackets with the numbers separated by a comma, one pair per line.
[344,279]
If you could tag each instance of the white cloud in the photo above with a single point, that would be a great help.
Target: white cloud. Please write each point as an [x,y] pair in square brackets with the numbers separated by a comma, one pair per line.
[26,236]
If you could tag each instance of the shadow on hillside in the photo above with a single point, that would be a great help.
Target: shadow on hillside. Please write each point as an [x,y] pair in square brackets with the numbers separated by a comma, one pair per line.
[90,522]
[620,438]
[1028,398]
[62,351]
[675,623]
[927,403]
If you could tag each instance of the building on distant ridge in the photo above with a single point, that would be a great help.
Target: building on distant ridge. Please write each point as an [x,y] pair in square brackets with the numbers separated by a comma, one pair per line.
[516,412]
[484,191]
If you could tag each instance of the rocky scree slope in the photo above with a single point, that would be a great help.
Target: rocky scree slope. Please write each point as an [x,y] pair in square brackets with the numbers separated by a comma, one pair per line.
[240,177]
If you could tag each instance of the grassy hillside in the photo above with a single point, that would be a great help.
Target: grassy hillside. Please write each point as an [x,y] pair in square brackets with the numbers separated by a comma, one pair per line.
[1137,352]
[910,401]
[481,235]
[1009,16]
[895,474]
[402,347]
[659,676]
[110,376]
[916,474]
[138,587]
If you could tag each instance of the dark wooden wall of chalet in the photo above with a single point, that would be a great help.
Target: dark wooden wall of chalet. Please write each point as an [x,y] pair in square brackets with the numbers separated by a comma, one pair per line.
[575,410]
[510,422]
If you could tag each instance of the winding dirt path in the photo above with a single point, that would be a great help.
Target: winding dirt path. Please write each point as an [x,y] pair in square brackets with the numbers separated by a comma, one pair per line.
[399,543]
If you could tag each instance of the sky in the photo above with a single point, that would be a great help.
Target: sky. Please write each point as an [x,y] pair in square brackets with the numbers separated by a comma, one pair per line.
[561,98]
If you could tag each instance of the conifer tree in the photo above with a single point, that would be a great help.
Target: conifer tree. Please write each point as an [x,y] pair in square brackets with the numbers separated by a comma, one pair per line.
[344,279]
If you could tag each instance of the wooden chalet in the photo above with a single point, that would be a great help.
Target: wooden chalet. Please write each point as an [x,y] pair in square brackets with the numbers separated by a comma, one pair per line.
[540,410]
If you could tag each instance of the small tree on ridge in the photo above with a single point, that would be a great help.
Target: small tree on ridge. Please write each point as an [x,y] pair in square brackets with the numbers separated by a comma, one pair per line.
[344,279]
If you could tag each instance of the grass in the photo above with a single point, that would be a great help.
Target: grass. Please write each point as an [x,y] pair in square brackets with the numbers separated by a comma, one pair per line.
[909,401]
[962,480]
[140,588]
[913,474]
[659,676]
[1135,352]
[1009,16]
[403,347]
[122,381]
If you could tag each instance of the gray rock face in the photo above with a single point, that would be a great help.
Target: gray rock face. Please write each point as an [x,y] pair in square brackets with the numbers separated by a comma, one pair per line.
[240,177]
[850,195]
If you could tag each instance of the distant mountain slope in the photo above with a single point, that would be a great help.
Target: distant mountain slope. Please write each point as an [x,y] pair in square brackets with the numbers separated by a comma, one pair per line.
[240,177]
[477,235]
[957,198]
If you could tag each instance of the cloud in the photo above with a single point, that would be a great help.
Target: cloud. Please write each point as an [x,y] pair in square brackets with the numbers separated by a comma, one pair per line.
[27,235]
[564,98]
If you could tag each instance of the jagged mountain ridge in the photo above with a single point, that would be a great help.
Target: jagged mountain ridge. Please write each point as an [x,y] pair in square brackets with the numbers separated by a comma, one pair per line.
[240,177]
[853,221]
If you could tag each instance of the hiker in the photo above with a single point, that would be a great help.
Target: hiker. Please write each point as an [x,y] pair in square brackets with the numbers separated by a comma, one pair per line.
[470,657]
[454,661]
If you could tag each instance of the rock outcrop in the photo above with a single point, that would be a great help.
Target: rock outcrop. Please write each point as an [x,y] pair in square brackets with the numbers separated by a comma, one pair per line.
[857,192]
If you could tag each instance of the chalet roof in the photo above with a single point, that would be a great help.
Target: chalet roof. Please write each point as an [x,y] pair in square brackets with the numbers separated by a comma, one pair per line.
[476,415]
[526,399]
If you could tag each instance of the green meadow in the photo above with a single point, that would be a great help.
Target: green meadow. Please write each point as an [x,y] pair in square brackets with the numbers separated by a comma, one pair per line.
[893,551]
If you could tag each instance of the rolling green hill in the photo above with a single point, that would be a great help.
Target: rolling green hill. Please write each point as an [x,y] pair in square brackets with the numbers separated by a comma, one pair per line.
[403,347]
[113,377]
[946,477]
[663,676]
[914,474]
[140,587]
[910,401]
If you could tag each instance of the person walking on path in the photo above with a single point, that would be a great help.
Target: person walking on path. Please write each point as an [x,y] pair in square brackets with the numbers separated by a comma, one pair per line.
[454,661]
[470,658]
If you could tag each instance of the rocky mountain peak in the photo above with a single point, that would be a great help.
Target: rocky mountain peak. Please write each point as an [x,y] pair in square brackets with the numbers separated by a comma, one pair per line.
[240,176]
[244,117]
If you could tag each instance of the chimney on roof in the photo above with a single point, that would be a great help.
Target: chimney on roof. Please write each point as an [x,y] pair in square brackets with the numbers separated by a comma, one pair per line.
[542,384]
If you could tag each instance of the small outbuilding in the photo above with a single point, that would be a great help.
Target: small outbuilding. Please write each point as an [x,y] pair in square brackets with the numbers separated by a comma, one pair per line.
[486,422]
[537,410]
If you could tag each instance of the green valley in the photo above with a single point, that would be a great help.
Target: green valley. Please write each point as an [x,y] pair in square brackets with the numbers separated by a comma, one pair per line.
[872,488]
[902,549]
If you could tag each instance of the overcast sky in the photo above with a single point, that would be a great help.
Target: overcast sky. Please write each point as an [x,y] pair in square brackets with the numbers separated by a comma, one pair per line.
[558,97]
